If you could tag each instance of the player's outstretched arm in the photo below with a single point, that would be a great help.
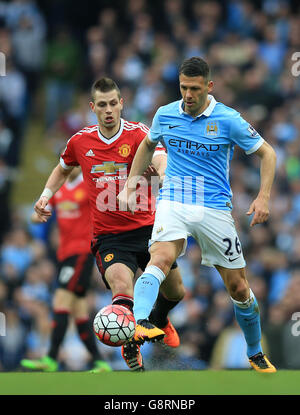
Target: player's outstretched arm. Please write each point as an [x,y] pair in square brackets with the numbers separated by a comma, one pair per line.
[56,179]
[141,161]
[260,206]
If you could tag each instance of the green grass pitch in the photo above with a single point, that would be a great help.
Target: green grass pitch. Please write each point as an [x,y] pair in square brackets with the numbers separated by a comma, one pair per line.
[204,382]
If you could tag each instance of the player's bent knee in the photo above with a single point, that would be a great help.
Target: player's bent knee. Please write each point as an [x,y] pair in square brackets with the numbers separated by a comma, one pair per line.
[239,291]
[162,261]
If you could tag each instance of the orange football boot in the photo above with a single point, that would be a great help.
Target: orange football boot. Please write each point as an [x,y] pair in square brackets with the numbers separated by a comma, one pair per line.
[171,336]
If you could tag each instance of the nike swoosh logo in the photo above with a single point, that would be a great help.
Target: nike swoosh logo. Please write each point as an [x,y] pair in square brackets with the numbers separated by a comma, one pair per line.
[173,126]
[231,260]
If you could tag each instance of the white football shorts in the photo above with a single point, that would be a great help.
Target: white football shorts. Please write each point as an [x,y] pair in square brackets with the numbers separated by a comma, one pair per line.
[213,229]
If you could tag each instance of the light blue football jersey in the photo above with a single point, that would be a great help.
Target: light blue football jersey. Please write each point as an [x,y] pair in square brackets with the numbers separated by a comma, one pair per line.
[200,150]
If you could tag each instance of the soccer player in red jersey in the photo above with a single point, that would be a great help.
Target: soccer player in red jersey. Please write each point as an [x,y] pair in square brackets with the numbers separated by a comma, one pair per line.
[76,264]
[120,240]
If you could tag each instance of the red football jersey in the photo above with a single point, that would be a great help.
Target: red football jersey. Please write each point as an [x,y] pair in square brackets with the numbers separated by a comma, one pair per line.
[71,204]
[105,165]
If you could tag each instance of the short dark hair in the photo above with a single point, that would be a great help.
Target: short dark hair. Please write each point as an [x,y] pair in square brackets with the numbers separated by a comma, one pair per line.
[195,66]
[104,85]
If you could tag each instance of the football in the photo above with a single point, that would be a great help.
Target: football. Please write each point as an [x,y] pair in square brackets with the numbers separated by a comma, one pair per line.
[114,325]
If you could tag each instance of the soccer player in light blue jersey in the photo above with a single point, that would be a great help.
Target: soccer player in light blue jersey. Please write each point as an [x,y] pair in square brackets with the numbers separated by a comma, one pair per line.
[195,200]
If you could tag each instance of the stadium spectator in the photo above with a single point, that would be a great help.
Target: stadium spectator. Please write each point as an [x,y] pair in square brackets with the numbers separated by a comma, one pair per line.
[16,256]
[62,73]
[28,44]
[13,95]
[13,343]
[5,187]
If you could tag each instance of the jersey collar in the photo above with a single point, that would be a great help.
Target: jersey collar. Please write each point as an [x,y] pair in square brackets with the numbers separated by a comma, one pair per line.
[208,110]
[114,137]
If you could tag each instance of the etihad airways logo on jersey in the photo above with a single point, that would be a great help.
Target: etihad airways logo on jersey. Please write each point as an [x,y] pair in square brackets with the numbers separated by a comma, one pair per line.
[192,147]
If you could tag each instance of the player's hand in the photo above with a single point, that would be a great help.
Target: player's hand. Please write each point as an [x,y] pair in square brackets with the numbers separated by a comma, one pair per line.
[150,172]
[127,200]
[40,209]
[260,208]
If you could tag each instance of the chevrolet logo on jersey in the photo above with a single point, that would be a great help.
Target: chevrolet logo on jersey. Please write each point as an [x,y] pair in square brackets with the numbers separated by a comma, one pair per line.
[109,167]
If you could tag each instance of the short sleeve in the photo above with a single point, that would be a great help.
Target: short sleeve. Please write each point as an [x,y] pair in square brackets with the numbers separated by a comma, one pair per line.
[155,133]
[159,150]
[244,135]
[68,157]
[144,129]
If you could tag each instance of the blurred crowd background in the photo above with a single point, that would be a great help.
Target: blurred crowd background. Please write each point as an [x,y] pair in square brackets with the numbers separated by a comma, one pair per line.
[54,51]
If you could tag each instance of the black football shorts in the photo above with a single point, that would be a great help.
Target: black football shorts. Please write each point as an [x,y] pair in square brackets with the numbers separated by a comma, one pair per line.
[129,248]
[75,273]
